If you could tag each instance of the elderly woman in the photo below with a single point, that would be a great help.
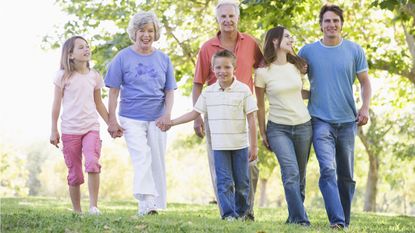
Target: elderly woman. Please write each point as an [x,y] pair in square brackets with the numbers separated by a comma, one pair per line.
[144,78]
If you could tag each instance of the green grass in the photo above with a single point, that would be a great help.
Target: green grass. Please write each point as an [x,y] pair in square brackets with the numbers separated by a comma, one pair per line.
[54,215]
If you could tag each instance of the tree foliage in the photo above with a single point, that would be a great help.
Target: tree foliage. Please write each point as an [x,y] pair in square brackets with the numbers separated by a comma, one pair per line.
[13,177]
[384,28]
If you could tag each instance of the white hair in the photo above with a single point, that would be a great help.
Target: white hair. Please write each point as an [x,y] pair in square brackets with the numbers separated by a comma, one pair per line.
[233,3]
[139,20]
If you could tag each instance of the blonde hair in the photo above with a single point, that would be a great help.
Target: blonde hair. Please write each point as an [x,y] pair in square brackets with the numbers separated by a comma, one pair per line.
[139,20]
[67,64]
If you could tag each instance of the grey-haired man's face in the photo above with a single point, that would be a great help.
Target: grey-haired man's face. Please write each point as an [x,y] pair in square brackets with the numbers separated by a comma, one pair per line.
[227,18]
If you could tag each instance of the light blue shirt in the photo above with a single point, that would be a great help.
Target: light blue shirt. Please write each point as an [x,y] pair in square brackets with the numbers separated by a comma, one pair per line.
[142,80]
[332,72]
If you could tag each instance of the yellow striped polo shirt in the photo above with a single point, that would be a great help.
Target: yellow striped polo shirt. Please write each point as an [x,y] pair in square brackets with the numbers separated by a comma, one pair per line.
[226,113]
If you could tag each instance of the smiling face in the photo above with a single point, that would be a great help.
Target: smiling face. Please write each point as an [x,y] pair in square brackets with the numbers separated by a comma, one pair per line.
[144,37]
[227,18]
[286,42]
[331,25]
[224,70]
[81,51]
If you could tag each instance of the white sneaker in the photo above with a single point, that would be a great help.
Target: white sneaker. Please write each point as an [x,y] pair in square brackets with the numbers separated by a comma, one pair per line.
[151,205]
[94,211]
[230,219]
[142,208]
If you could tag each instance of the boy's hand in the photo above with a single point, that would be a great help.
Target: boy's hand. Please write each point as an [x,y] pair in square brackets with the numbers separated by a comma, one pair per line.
[199,127]
[54,138]
[253,153]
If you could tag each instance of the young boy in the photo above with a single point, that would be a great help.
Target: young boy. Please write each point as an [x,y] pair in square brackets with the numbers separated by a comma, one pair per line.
[228,104]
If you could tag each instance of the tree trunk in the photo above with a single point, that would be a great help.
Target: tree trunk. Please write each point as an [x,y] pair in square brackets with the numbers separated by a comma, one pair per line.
[371,183]
[263,191]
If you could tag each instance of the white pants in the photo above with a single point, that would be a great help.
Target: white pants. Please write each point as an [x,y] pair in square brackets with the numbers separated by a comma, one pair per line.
[147,146]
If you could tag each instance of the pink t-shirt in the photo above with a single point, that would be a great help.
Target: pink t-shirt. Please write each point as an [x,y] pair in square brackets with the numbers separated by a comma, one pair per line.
[248,56]
[79,113]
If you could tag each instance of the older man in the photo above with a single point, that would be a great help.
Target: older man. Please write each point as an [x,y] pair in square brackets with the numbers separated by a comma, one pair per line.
[248,56]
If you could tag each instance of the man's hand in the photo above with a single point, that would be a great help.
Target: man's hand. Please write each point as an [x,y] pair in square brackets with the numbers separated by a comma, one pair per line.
[362,116]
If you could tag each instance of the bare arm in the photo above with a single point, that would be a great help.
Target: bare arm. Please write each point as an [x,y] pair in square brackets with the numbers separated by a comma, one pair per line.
[169,101]
[198,124]
[190,116]
[113,127]
[56,108]
[253,146]
[366,87]
[162,122]
[102,110]
[260,94]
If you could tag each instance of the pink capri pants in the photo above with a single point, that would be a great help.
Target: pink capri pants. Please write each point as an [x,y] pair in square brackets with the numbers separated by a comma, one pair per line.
[74,146]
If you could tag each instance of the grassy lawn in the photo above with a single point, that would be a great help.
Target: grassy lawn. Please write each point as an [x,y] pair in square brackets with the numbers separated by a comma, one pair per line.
[53,215]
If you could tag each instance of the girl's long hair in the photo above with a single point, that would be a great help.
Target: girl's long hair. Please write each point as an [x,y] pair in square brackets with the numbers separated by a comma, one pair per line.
[270,54]
[67,64]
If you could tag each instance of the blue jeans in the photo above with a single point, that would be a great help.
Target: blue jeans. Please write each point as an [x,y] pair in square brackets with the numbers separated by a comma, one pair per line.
[291,145]
[334,146]
[232,180]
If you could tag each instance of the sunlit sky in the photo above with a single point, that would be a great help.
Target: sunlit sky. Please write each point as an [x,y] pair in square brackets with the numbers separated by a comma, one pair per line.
[27,71]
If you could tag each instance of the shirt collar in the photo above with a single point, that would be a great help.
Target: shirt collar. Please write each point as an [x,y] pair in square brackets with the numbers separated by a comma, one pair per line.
[232,86]
[216,41]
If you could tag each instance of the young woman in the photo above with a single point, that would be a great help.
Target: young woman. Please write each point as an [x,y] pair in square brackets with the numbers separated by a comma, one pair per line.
[288,133]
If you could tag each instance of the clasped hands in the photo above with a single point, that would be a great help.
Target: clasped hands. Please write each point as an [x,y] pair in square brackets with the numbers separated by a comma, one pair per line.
[164,122]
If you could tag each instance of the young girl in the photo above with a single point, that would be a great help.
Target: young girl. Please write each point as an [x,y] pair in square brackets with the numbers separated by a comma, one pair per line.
[78,89]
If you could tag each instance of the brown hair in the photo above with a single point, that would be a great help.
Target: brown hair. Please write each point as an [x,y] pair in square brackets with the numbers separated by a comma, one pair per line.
[67,64]
[333,8]
[224,53]
[270,54]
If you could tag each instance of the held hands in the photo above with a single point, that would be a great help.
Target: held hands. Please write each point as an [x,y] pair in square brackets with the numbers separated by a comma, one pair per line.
[362,116]
[199,127]
[164,122]
[253,153]
[54,138]
[115,130]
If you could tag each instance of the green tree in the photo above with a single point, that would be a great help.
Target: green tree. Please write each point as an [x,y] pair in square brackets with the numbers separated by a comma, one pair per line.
[13,175]
[402,61]
[384,28]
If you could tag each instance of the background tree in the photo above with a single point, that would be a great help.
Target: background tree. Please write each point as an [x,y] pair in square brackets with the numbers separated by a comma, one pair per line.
[384,28]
